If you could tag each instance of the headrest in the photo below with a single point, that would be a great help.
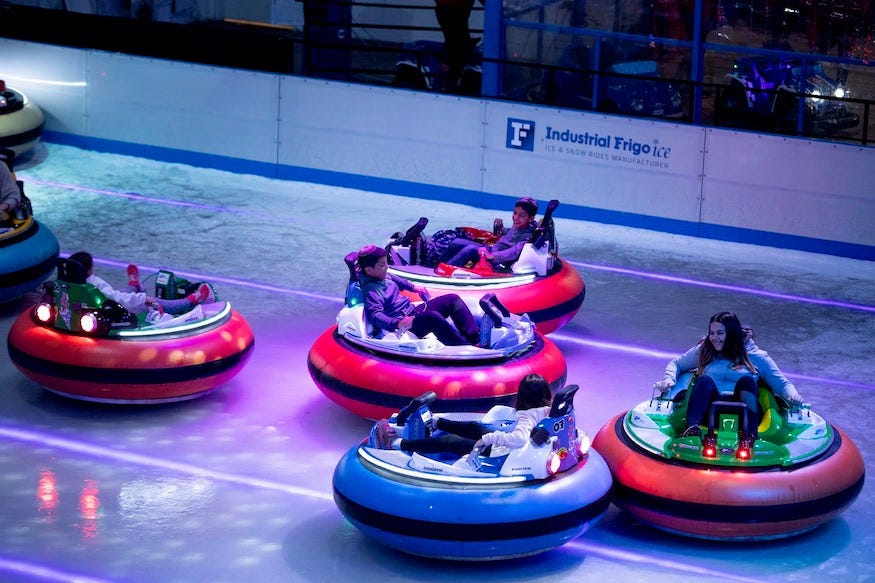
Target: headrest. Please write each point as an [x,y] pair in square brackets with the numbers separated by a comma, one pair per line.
[563,401]
[70,271]
[351,261]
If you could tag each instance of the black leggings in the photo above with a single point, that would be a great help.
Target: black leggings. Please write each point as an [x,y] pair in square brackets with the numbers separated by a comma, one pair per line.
[705,392]
[459,438]
[433,318]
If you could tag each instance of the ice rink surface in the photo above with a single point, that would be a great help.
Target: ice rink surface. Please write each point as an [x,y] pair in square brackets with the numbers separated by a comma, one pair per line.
[236,486]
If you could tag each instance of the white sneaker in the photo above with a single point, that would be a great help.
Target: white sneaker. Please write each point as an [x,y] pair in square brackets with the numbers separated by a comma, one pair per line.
[156,317]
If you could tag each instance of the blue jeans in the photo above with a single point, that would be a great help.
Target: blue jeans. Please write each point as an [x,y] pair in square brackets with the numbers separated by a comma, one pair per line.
[705,392]
[461,251]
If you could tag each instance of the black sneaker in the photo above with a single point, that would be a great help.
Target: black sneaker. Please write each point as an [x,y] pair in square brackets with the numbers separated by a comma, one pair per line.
[413,232]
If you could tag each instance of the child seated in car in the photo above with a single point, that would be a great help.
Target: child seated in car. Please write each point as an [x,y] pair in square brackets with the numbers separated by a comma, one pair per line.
[132,298]
[507,249]
[454,248]
[388,310]
[533,401]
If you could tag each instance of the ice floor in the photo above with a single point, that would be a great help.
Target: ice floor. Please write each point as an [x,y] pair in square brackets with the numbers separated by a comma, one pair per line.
[236,486]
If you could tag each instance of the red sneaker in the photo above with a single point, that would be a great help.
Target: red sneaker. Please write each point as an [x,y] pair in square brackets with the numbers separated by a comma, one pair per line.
[133,276]
[204,294]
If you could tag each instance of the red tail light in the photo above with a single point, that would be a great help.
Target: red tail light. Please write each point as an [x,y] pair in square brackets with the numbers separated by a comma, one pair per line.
[709,447]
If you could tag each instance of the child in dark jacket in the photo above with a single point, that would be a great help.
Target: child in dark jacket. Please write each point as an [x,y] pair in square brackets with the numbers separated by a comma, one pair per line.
[507,249]
[388,310]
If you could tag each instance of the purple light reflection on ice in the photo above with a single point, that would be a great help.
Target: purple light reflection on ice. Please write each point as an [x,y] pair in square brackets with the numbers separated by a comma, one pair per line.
[618,554]
[45,573]
[662,355]
[601,344]
[734,288]
[45,439]
[145,198]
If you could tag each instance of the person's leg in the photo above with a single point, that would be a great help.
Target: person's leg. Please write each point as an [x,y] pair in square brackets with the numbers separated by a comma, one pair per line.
[454,247]
[703,392]
[468,429]
[176,306]
[747,392]
[134,278]
[453,21]
[431,321]
[468,253]
[451,306]
[448,443]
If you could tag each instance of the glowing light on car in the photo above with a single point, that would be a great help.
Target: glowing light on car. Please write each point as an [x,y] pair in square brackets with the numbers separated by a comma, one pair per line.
[742,453]
[553,463]
[709,447]
[88,322]
[44,313]
[840,92]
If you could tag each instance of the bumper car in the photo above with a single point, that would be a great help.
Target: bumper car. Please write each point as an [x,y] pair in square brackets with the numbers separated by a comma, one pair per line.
[488,505]
[539,284]
[21,121]
[28,250]
[79,344]
[799,473]
[374,377]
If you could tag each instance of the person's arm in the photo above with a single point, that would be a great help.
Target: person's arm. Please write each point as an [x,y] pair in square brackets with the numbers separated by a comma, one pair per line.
[402,283]
[677,366]
[131,301]
[508,255]
[525,422]
[510,246]
[375,309]
[773,377]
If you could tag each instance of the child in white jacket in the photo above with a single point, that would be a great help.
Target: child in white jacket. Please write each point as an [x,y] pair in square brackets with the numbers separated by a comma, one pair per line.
[533,403]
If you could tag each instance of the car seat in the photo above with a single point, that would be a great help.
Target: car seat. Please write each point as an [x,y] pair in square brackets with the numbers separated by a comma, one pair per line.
[560,424]
[70,271]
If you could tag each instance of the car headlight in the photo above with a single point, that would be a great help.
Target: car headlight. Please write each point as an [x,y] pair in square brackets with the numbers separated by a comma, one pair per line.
[44,312]
[553,463]
[88,322]
[840,92]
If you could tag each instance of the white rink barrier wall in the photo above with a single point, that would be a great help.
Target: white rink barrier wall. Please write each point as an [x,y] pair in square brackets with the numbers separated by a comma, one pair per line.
[714,183]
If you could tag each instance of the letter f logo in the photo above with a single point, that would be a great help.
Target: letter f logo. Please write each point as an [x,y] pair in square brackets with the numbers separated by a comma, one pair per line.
[520,134]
